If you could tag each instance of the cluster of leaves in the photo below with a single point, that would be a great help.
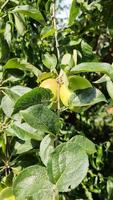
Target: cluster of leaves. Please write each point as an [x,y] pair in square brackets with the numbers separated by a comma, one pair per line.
[45,152]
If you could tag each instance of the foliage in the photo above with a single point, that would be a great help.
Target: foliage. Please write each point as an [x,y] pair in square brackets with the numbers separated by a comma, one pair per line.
[56,148]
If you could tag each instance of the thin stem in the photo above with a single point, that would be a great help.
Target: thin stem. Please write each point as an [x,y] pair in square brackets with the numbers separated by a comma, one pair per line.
[58,55]
[2,7]
[56,33]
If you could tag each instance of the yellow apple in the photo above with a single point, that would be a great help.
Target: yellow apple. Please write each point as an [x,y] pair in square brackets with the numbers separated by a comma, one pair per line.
[52,85]
[65,94]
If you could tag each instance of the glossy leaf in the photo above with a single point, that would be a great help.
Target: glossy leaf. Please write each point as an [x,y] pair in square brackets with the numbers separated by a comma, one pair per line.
[104,68]
[78,83]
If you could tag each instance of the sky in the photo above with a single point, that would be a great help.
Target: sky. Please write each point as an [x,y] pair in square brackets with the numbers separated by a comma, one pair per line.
[64,12]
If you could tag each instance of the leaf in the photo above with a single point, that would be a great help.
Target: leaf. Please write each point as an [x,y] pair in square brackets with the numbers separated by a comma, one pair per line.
[86,97]
[84,143]
[33,97]
[74,12]
[67,166]
[103,79]
[75,56]
[86,49]
[42,118]
[23,146]
[47,31]
[30,12]
[78,83]
[109,86]
[67,60]
[16,91]
[110,187]
[49,60]
[33,183]
[7,194]
[94,67]
[19,24]
[26,132]
[7,106]
[46,148]
[17,63]
[4,50]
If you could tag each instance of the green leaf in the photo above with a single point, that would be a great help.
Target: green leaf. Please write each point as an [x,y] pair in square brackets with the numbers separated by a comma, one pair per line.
[16,91]
[30,12]
[67,166]
[17,63]
[86,49]
[7,106]
[86,97]
[4,50]
[78,83]
[110,187]
[67,60]
[35,96]
[22,146]
[26,132]
[87,145]
[33,183]
[46,148]
[49,60]
[47,31]
[105,68]
[19,24]
[42,118]
[109,86]
[74,12]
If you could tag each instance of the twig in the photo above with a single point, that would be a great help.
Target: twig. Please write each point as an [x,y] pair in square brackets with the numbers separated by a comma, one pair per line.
[58,56]
[2,7]
[56,33]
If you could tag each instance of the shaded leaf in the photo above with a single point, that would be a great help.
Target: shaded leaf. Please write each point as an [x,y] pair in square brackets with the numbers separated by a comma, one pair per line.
[30,12]
[86,97]
[17,63]
[35,96]
[42,118]
[26,132]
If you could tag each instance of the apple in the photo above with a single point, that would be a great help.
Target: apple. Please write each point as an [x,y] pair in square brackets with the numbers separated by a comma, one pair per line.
[65,94]
[52,85]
